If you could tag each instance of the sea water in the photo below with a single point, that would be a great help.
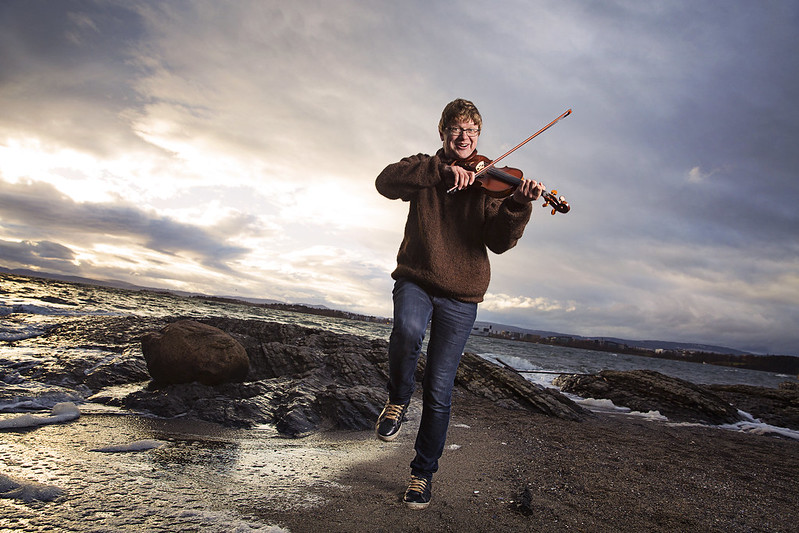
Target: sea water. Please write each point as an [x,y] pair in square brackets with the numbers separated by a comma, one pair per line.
[31,306]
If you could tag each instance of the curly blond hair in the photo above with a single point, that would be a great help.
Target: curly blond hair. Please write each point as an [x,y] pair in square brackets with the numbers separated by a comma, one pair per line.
[459,110]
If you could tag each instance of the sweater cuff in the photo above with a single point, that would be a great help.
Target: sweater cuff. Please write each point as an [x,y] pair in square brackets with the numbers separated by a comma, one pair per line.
[517,207]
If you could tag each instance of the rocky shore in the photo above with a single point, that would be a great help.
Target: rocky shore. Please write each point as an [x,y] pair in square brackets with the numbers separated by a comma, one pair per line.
[681,401]
[308,380]
[519,457]
[305,380]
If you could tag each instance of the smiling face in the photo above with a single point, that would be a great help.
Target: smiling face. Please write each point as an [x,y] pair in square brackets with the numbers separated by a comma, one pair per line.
[459,128]
[460,139]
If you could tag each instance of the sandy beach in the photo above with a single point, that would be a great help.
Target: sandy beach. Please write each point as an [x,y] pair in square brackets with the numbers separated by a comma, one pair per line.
[513,471]
[502,470]
[216,459]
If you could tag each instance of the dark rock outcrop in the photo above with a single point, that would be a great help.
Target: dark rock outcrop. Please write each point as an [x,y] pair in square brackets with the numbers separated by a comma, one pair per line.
[510,390]
[305,380]
[647,390]
[778,407]
[187,351]
[300,379]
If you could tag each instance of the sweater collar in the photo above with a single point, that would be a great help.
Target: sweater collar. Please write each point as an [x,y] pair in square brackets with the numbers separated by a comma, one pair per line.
[448,160]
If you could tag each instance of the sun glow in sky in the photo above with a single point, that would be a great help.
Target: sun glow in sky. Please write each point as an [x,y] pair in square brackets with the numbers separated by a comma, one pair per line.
[231,148]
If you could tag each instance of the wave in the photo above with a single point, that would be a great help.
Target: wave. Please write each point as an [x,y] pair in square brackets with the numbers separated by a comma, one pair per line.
[32,309]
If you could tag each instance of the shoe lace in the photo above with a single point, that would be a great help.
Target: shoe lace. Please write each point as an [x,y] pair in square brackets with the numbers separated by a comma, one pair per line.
[418,484]
[394,411]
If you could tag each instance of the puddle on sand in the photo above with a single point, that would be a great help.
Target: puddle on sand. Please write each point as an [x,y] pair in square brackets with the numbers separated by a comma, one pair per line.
[203,476]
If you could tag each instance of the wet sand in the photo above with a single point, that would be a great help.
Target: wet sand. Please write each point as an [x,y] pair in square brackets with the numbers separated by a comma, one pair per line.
[501,471]
[512,471]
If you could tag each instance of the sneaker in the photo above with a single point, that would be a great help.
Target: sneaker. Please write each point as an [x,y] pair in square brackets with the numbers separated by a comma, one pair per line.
[418,494]
[390,420]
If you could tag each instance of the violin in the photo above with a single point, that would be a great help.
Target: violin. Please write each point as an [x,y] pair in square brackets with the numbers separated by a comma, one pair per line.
[501,182]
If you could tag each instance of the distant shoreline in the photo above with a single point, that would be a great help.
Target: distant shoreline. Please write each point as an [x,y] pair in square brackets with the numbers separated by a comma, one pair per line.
[780,364]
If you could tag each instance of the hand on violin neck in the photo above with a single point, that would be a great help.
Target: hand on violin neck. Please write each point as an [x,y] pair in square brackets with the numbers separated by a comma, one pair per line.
[462,177]
[528,191]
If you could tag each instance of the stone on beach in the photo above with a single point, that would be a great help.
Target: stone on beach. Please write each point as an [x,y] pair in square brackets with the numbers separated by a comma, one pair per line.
[510,390]
[187,351]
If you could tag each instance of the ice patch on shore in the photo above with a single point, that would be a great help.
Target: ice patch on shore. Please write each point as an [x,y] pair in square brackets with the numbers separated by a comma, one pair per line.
[62,412]
[136,446]
[760,428]
[649,415]
[598,405]
[27,491]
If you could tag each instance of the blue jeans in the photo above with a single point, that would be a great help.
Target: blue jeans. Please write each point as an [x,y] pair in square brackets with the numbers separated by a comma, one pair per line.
[451,322]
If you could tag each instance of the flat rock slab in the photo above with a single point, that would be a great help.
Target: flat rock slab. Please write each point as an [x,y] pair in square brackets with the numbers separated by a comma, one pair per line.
[647,390]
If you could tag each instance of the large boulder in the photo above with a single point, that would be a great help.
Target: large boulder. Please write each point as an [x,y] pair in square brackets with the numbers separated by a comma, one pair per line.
[647,390]
[187,351]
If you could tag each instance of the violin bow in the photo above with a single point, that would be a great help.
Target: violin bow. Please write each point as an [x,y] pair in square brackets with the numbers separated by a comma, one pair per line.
[527,140]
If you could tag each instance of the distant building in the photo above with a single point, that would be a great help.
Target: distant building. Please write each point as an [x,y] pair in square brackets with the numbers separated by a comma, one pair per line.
[482,331]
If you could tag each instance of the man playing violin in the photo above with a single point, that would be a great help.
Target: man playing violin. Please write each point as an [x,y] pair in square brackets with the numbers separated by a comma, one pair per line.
[442,274]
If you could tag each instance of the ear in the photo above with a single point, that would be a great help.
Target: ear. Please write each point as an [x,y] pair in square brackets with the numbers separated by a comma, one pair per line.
[442,135]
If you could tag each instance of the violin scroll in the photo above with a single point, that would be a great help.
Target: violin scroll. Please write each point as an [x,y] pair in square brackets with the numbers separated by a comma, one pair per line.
[501,182]
[558,203]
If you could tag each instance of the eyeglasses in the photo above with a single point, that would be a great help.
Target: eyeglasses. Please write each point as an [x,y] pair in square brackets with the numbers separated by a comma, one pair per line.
[455,131]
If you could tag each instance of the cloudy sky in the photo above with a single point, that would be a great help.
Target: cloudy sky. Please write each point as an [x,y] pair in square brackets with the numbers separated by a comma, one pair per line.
[231,148]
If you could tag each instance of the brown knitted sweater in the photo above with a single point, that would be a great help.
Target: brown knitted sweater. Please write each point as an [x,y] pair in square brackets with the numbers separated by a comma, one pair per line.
[446,235]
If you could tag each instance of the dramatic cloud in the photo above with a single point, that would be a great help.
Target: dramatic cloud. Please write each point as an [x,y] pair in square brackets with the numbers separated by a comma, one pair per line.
[57,216]
[231,148]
